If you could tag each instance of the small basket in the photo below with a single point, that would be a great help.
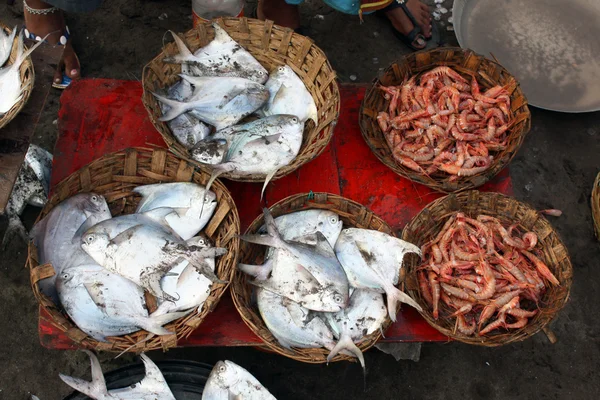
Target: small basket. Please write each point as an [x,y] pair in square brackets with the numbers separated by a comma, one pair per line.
[272,46]
[114,176]
[431,219]
[352,214]
[27,75]
[596,206]
[488,73]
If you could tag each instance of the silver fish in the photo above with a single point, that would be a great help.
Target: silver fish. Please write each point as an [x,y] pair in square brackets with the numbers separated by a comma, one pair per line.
[372,260]
[31,188]
[288,95]
[299,226]
[6,44]
[318,270]
[223,56]
[57,235]
[364,315]
[145,253]
[193,205]
[152,387]
[186,128]
[229,381]
[220,102]
[190,287]
[264,155]
[291,324]
[10,79]
[209,151]
[105,304]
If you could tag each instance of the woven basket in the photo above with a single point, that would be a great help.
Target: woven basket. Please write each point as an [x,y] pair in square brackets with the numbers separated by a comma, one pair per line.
[431,219]
[272,46]
[353,215]
[114,176]
[27,75]
[596,206]
[488,73]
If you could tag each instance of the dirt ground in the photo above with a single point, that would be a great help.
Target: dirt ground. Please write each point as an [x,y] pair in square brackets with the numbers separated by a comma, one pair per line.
[555,168]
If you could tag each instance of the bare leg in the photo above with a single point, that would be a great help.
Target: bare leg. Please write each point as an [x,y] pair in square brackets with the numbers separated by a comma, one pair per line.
[280,12]
[41,25]
[404,25]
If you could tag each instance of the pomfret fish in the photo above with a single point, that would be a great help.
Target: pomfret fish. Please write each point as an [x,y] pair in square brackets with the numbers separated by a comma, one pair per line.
[6,44]
[288,95]
[193,205]
[229,381]
[189,286]
[291,324]
[364,315]
[11,89]
[57,235]
[317,264]
[372,260]
[31,188]
[105,304]
[300,226]
[186,128]
[152,387]
[223,56]
[220,102]
[145,253]
[263,155]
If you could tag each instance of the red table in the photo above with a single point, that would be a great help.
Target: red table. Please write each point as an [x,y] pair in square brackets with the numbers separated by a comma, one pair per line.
[102,116]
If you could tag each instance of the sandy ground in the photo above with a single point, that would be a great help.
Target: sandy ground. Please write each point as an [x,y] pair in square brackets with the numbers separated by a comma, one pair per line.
[555,168]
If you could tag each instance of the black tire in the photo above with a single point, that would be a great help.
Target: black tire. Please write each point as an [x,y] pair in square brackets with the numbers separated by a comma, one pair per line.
[185,378]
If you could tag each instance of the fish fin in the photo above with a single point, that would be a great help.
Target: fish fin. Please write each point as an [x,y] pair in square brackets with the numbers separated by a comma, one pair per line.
[125,235]
[94,389]
[176,108]
[160,214]
[395,295]
[196,257]
[322,244]
[23,56]
[187,273]
[221,34]
[96,294]
[268,178]
[153,374]
[15,226]
[145,190]
[151,282]
[154,323]
[313,113]
[263,240]
[260,272]
[408,248]
[346,343]
[184,53]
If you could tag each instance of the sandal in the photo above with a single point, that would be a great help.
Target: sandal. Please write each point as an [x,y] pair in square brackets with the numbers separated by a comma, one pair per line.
[66,81]
[416,33]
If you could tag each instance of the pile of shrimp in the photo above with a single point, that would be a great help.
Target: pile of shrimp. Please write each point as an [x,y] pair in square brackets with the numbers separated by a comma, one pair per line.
[444,123]
[485,272]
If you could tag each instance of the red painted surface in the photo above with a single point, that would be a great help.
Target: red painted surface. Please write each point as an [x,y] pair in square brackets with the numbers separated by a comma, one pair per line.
[102,116]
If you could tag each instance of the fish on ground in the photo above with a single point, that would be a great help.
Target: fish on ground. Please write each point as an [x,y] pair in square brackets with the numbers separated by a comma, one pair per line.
[228,381]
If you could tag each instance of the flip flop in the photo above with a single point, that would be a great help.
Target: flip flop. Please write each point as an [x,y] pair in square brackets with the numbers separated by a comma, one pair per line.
[415,32]
[65,81]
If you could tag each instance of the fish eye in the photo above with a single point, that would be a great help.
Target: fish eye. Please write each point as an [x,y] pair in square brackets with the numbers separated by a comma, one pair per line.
[338,299]
[201,241]
[89,239]
[222,368]
[333,220]
[65,276]
[294,120]
[281,69]
[261,73]
[94,198]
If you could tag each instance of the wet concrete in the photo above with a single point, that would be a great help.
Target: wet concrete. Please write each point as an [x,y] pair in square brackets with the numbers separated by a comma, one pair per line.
[554,169]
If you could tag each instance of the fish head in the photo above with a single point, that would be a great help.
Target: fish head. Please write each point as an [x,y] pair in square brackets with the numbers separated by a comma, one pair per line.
[200,240]
[256,94]
[333,300]
[258,75]
[330,224]
[93,205]
[225,374]
[209,151]
[95,244]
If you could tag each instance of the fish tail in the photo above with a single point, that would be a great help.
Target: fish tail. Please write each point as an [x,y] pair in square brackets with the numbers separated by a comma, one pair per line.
[15,226]
[313,113]
[196,257]
[94,389]
[220,33]
[268,178]
[23,56]
[184,53]
[346,343]
[394,296]
[176,107]
[154,323]
[272,239]
[260,272]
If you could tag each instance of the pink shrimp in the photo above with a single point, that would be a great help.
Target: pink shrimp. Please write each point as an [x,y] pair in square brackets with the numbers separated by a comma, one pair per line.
[495,91]
[467,105]
[489,281]
[424,287]
[409,163]
[496,113]
[464,124]
[458,135]
[383,119]
[501,321]
[464,327]
[456,292]
[443,70]
[453,169]
[530,239]
[463,283]
[437,253]
[408,117]
[435,290]
[553,212]
[519,313]
[496,303]
[542,268]
[439,121]
[521,323]
[510,267]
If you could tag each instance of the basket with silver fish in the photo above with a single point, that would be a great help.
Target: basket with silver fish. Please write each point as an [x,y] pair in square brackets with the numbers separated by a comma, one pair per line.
[205,90]
[329,283]
[132,252]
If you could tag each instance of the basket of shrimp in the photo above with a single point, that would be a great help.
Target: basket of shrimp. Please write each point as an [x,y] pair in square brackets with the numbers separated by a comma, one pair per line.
[596,206]
[447,118]
[319,278]
[243,98]
[132,252]
[493,270]
[16,73]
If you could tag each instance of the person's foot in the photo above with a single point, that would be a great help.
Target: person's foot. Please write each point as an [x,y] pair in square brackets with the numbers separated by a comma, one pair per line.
[404,25]
[280,12]
[53,23]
